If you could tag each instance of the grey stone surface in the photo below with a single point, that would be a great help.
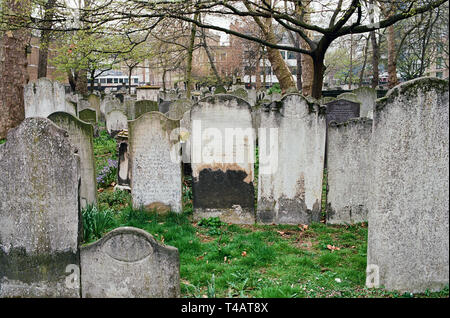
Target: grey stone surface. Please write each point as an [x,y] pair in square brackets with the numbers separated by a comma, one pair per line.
[408,236]
[94,102]
[291,161]
[123,171]
[341,110]
[155,162]
[349,96]
[348,171]
[43,97]
[145,106]
[81,136]
[186,137]
[368,97]
[128,262]
[108,104]
[178,108]
[39,211]
[223,166]
[148,93]
[88,115]
[116,120]
[241,93]
[164,106]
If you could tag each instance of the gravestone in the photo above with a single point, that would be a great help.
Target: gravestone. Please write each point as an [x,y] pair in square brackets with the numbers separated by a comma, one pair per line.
[178,108]
[223,166]
[408,239]
[81,136]
[220,90]
[123,166]
[252,97]
[148,93]
[349,96]
[129,105]
[327,99]
[129,263]
[164,106]
[341,110]
[39,212]
[348,171]
[145,106]
[155,163]
[241,93]
[291,161]
[368,97]
[116,121]
[94,102]
[108,104]
[88,115]
[43,97]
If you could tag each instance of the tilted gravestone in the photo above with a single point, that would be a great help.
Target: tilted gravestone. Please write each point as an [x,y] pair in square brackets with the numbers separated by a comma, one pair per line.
[39,214]
[88,115]
[341,110]
[155,163]
[81,136]
[368,97]
[129,262]
[348,171]
[291,161]
[178,108]
[145,106]
[408,239]
[116,121]
[43,97]
[222,153]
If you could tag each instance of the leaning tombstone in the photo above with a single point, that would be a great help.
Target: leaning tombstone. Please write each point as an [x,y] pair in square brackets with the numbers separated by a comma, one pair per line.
[81,136]
[222,156]
[155,163]
[408,239]
[43,97]
[129,263]
[88,115]
[348,171]
[39,215]
[145,106]
[116,121]
[291,160]
[367,96]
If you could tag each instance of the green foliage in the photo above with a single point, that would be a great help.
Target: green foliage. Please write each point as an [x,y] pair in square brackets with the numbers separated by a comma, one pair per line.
[274,89]
[214,225]
[96,222]
[116,200]
[105,153]
[2,141]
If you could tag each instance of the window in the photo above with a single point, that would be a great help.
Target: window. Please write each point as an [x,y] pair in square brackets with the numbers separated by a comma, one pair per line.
[103,80]
[120,80]
[293,70]
[283,54]
[116,80]
[291,56]
[125,80]
[109,80]
[439,74]
[136,80]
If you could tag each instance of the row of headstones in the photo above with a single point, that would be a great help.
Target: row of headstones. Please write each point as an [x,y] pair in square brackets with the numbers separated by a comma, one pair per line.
[392,171]
[40,253]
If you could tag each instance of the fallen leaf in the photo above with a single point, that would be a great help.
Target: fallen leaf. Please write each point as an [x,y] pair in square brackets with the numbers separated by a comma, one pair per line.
[244,254]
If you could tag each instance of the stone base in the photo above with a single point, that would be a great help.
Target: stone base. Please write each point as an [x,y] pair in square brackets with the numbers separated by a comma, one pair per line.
[235,215]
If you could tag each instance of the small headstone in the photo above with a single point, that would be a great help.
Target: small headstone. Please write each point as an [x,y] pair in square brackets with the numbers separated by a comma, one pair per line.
[341,110]
[39,212]
[368,97]
[178,108]
[155,162]
[88,115]
[145,106]
[81,136]
[129,263]
[164,106]
[94,102]
[116,121]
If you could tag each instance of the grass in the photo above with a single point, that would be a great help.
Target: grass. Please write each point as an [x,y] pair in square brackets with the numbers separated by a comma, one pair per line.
[229,260]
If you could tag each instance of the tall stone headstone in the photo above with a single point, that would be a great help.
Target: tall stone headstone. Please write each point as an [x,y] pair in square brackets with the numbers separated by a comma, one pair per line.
[348,171]
[116,121]
[368,97]
[94,102]
[39,211]
[408,240]
[222,153]
[129,262]
[145,106]
[81,136]
[43,97]
[291,161]
[341,110]
[155,163]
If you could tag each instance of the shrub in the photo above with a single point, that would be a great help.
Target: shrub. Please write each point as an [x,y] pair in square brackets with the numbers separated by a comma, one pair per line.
[96,222]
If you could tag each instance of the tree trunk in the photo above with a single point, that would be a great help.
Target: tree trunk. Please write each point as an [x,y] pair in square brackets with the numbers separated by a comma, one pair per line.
[318,72]
[189,58]
[130,70]
[45,39]
[81,83]
[375,60]
[13,72]
[363,68]
[299,66]
[392,59]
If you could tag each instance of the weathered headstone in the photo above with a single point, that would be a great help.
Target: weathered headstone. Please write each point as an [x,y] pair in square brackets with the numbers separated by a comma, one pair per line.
[39,211]
[349,96]
[108,104]
[123,166]
[145,106]
[241,93]
[368,97]
[116,121]
[94,102]
[348,171]
[43,97]
[222,153]
[128,262]
[291,160]
[341,110]
[408,240]
[220,90]
[327,99]
[88,115]
[164,106]
[178,108]
[81,136]
[155,163]
[148,93]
